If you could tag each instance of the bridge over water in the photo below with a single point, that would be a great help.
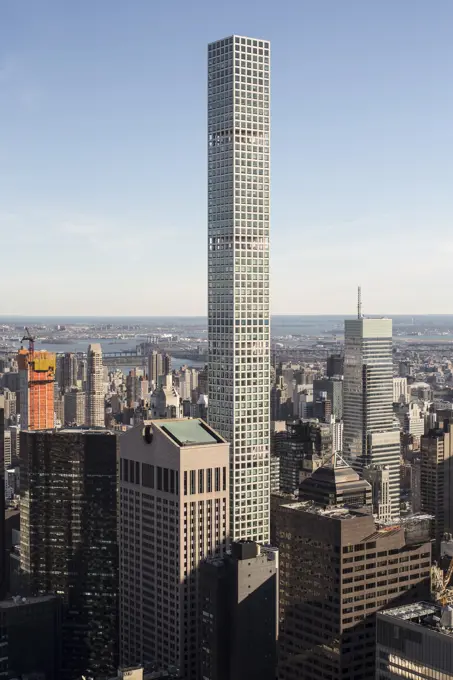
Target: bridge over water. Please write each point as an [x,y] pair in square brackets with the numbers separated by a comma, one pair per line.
[134,357]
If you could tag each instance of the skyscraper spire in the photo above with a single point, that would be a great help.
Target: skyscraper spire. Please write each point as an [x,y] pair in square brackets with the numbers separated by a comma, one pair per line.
[359,302]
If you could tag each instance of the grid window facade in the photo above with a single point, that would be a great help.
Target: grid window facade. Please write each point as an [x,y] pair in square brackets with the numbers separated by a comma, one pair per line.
[164,536]
[369,435]
[238,271]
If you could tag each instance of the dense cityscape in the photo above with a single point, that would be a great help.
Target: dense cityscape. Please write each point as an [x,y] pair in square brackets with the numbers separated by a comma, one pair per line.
[233,498]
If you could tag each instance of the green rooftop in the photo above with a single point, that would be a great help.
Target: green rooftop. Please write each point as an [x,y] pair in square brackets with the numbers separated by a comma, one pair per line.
[190,432]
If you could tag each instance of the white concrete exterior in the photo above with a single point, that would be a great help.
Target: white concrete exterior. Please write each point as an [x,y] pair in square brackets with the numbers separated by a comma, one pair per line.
[238,271]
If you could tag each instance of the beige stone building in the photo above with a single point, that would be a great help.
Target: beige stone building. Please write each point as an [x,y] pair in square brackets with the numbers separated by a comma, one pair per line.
[174,510]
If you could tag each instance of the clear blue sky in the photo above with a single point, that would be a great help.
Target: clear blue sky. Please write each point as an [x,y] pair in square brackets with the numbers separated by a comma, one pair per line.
[103,153]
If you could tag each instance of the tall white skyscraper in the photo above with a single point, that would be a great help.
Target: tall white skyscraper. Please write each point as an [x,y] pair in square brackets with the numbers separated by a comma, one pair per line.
[370,437]
[95,387]
[238,272]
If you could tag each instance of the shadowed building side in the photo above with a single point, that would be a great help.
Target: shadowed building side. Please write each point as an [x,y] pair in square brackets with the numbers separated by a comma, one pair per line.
[239,614]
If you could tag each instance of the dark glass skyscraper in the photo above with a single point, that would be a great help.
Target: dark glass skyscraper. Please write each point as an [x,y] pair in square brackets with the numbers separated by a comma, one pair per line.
[69,540]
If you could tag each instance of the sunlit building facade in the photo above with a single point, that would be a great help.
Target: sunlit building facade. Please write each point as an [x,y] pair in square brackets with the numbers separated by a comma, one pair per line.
[238,271]
[95,416]
[173,515]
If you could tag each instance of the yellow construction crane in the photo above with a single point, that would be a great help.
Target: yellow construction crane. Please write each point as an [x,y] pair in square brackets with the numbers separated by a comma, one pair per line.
[440,584]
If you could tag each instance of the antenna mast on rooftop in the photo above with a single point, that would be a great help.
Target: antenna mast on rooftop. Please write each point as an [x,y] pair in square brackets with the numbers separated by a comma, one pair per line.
[359,302]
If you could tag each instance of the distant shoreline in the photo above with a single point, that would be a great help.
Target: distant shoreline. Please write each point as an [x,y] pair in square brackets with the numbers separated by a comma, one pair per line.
[90,319]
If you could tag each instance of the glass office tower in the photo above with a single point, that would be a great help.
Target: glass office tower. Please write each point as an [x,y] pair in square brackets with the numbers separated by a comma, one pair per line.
[370,437]
[238,271]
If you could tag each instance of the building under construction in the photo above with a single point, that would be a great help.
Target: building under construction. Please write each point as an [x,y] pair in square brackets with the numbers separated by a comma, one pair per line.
[36,387]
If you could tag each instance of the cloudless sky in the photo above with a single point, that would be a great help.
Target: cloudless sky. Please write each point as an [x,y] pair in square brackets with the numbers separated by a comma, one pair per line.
[103,153]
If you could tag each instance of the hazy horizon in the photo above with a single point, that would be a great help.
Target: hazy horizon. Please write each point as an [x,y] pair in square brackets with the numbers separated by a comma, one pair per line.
[4,317]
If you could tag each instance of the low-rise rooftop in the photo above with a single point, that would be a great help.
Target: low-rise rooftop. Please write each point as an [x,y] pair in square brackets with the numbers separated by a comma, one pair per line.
[18,601]
[429,615]
[336,512]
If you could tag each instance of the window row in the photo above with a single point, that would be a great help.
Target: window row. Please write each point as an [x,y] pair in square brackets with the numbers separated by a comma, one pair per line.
[204,481]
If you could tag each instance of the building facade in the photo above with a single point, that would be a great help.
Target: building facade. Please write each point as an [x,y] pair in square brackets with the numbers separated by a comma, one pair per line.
[400,393]
[275,474]
[173,513]
[333,387]
[238,271]
[165,401]
[3,562]
[379,478]
[36,387]
[306,440]
[67,370]
[335,365]
[95,387]
[414,419]
[68,540]
[369,436]
[159,365]
[335,484]
[415,641]
[74,407]
[10,405]
[239,614]
[30,637]
[436,480]
[188,382]
[337,569]
[337,427]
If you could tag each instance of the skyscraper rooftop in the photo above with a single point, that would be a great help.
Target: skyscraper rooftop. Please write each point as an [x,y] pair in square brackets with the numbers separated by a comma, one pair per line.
[188,431]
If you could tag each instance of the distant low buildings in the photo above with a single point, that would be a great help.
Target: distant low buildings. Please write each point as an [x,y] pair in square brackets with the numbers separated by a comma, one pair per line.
[165,401]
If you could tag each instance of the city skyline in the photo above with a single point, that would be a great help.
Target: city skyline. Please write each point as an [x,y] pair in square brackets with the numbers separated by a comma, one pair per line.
[88,147]
[237,494]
